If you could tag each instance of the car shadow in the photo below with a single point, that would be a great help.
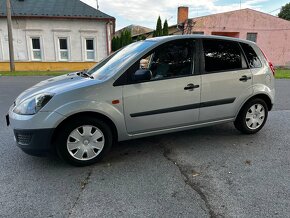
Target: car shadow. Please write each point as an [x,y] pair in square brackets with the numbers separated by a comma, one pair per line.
[196,138]
[136,148]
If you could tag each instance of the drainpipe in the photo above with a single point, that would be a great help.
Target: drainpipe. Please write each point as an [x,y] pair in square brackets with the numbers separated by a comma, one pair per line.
[107,40]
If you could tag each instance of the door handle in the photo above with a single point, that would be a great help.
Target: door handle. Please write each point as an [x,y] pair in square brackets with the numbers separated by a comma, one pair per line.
[191,87]
[245,78]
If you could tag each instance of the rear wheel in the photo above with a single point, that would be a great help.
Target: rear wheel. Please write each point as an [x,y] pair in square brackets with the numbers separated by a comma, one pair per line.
[252,116]
[84,141]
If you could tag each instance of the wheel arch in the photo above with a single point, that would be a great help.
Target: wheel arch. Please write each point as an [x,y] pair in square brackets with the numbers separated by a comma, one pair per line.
[97,115]
[262,96]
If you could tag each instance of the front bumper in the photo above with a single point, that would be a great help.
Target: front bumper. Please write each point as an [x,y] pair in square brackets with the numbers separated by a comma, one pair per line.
[35,142]
[33,133]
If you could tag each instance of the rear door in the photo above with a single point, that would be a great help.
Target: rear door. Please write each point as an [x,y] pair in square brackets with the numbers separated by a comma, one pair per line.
[226,80]
[171,98]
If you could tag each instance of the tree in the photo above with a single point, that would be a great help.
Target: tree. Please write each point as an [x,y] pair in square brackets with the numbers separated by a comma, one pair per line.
[123,40]
[285,12]
[118,43]
[128,37]
[114,43]
[141,37]
[158,31]
[165,28]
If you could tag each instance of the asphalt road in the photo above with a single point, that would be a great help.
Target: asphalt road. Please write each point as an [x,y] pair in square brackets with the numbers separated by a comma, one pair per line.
[208,172]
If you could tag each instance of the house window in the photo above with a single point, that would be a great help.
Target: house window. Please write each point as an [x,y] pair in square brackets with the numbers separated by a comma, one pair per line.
[90,50]
[198,33]
[36,49]
[252,37]
[63,49]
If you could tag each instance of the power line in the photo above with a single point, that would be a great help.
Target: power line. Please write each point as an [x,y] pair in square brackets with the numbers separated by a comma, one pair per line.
[270,12]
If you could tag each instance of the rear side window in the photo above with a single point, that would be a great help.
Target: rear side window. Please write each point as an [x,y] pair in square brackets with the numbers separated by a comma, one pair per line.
[251,55]
[222,55]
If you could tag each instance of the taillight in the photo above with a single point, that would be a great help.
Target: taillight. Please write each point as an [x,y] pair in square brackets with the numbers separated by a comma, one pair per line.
[272,67]
[269,62]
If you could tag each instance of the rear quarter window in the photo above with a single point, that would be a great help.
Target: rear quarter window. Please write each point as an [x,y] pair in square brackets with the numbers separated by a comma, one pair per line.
[222,55]
[251,55]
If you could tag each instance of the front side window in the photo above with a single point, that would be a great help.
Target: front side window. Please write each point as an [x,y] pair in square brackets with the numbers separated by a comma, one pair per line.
[251,55]
[173,59]
[63,49]
[252,37]
[36,49]
[222,55]
[111,65]
[90,50]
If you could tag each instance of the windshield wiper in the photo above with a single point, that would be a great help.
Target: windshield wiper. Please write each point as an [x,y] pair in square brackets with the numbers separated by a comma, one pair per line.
[85,74]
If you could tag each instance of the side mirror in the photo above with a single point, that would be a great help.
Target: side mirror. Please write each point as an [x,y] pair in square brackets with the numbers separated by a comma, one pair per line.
[142,75]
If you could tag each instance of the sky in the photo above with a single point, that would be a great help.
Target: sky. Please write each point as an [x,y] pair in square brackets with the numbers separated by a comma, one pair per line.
[146,12]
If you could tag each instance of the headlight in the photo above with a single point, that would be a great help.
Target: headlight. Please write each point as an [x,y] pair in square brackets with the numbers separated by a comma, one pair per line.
[32,105]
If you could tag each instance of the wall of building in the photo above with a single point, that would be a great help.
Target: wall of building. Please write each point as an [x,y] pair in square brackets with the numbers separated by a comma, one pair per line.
[273,34]
[47,66]
[49,30]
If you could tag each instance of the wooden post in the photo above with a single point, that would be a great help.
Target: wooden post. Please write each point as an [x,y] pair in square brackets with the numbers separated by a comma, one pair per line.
[10,36]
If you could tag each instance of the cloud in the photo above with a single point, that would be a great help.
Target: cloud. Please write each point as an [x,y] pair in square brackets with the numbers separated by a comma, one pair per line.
[145,12]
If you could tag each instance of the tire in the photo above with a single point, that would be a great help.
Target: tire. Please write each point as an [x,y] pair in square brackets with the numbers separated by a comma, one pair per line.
[84,141]
[252,117]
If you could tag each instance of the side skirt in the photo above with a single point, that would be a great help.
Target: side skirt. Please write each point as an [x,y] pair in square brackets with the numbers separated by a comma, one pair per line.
[179,128]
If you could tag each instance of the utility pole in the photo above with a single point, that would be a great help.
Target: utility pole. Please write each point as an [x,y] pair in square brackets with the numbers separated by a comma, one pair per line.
[97,4]
[10,35]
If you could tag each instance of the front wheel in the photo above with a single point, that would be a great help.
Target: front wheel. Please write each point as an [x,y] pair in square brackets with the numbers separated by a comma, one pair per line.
[84,141]
[252,116]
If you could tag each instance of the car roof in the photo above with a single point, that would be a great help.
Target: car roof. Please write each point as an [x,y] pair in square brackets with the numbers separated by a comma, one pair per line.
[163,39]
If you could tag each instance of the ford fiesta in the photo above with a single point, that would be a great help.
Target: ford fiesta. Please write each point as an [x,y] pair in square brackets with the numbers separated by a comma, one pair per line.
[150,87]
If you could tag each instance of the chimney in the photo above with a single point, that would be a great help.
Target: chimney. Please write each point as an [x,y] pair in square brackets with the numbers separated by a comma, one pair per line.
[182,15]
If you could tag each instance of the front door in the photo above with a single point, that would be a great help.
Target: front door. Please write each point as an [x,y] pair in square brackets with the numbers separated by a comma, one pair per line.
[171,98]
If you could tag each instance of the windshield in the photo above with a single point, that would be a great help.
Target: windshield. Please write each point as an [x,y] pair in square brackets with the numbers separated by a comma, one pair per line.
[109,66]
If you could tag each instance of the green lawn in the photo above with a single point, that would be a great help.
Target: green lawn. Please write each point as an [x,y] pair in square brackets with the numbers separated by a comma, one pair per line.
[33,73]
[282,74]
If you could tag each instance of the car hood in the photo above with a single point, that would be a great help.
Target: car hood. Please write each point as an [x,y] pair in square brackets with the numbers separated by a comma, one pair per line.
[57,85]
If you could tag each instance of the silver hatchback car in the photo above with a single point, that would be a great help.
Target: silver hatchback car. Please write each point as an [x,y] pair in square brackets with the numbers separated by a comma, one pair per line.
[150,87]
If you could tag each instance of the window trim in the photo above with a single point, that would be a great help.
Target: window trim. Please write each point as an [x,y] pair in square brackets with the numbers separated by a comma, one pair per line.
[255,33]
[202,61]
[86,50]
[122,79]
[62,50]
[32,49]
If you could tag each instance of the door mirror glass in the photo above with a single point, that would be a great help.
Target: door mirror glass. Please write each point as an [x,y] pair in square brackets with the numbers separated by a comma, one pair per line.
[142,75]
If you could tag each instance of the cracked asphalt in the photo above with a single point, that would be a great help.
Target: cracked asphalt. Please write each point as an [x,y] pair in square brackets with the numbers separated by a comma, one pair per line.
[208,172]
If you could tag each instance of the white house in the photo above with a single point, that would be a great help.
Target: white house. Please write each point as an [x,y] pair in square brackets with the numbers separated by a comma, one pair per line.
[55,35]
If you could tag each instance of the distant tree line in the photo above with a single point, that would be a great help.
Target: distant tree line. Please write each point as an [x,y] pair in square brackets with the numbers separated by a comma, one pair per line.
[120,41]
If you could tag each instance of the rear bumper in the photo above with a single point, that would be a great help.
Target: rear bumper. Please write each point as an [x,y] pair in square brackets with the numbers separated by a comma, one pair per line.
[36,142]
